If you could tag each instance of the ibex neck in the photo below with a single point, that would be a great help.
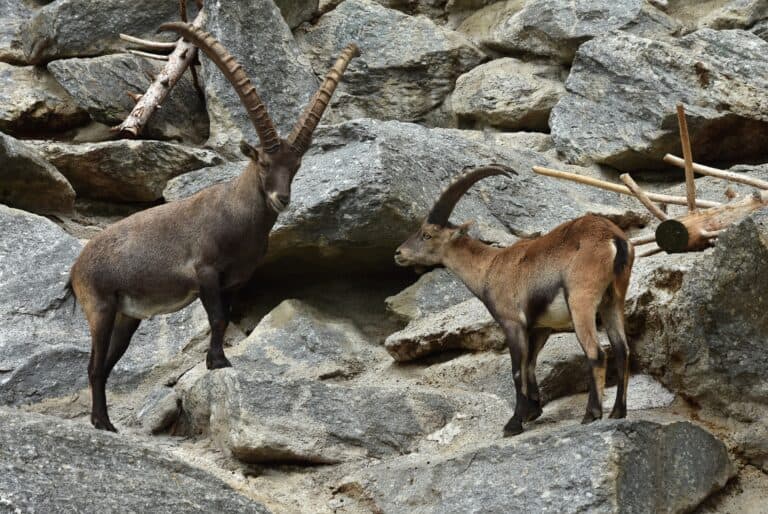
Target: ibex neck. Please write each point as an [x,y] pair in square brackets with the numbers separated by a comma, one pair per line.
[470,259]
[249,192]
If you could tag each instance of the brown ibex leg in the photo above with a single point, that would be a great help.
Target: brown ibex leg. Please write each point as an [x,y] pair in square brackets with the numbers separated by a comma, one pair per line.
[536,340]
[517,340]
[122,332]
[216,305]
[583,315]
[101,321]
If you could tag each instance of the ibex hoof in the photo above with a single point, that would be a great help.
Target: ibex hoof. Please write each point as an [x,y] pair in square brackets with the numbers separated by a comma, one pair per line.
[534,411]
[618,413]
[590,416]
[513,427]
[102,423]
[217,362]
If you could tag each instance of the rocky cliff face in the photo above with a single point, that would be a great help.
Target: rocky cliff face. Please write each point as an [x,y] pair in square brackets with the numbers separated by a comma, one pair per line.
[359,387]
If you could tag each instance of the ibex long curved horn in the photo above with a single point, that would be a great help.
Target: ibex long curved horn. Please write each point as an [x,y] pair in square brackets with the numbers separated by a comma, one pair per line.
[301,135]
[257,111]
[451,195]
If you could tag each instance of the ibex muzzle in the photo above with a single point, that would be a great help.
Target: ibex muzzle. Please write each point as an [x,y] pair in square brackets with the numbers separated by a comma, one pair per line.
[161,259]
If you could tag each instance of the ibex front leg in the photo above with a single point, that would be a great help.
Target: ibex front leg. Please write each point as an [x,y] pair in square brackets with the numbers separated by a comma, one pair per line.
[517,340]
[216,304]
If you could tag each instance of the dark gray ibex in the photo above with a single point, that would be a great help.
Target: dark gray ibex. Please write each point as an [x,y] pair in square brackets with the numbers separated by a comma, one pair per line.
[558,282]
[159,260]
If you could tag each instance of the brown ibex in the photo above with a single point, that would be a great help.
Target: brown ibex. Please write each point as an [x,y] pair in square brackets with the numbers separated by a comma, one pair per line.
[558,282]
[159,260]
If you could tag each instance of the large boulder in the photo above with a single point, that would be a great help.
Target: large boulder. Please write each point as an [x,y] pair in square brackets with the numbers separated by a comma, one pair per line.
[605,467]
[92,27]
[256,34]
[99,86]
[556,28]
[50,465]
[124,170]
[31,101]
[187,184]
[433,292]
[736,14]
[408,64]
[296,12]
[44,338]
[622,90]
[508,94]
[266,419]
[13,13]
[29,182]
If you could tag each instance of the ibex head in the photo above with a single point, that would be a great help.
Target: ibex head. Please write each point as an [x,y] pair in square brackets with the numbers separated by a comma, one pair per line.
[427,246]
[277,159]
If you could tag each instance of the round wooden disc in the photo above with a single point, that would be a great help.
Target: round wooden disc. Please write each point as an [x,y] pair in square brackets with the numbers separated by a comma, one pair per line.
[672,236]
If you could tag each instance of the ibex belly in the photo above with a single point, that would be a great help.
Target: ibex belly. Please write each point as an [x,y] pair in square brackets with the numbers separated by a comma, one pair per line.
[556,316]
[146,307]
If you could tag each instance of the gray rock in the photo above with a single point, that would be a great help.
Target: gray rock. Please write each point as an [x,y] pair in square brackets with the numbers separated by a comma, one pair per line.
[296,12]
[365,185]
[408,64]
[605,467]
[435,291]
[466,326]
[278,70]
[187,184]
[44,339]
[296,340]
[736,14]
[508,94]
[622,91]
[160,410]
[761,29]
[260,419]
[99,86]
[92,27]
[124,170]
[643,392]
[29,182]
[556,28]
[32,101]
[50,465]
[13,13]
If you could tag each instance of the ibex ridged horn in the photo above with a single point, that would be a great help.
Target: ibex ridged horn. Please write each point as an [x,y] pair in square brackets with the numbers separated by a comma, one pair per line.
[301,135]
[257,111]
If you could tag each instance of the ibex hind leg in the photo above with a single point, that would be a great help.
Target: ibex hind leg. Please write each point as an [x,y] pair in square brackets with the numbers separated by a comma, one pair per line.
[101,319]
[612,315]
[583,313]
[125,327]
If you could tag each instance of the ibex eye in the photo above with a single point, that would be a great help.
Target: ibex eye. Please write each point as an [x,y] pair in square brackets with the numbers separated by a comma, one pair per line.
[426,237]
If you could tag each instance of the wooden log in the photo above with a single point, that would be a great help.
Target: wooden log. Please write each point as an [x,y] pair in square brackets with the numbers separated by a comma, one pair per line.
[643,240]
[179,60]
[685,141]
[617,188]
[643,197]
[696,231]
[714,172]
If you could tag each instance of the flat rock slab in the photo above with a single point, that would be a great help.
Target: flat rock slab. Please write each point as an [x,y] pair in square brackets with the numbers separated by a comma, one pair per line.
[433,292]
[408,64]
[263,44]
[99,86]
[622,91]
[44,338]
[31,183]
[31,101]
[556,28]
[604,467]
[13,13]
[124,170]
[261,419]
[83,28]
[51,465]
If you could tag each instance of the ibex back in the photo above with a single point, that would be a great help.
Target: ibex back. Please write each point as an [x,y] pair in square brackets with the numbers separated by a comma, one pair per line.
[161,259]
[554,283]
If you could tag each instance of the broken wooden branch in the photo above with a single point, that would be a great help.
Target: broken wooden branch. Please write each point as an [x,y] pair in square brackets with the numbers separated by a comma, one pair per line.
[160,46]
[697,230]
[643,197]
[685,142]
[617,188]
[652,251]
[643,240]
[183,55]
[149,55]
[714,172]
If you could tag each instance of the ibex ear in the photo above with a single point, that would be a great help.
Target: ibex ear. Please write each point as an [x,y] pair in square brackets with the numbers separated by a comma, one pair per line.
[463,230]
[249,151]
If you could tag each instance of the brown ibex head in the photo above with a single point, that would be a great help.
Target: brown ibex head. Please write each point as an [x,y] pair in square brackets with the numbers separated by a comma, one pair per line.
[277,160]
[426,247]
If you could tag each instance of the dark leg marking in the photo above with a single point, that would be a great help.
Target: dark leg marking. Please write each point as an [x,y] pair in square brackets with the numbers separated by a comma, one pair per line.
[216,305]
[101,320]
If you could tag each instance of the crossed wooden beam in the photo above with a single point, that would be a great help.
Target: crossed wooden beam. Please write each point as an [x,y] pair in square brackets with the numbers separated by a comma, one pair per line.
[705,220]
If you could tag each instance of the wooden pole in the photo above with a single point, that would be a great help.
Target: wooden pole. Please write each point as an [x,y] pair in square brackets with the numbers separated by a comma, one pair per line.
[685,141]
[643,197]
[696,231]
[714,172]
[617,188]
